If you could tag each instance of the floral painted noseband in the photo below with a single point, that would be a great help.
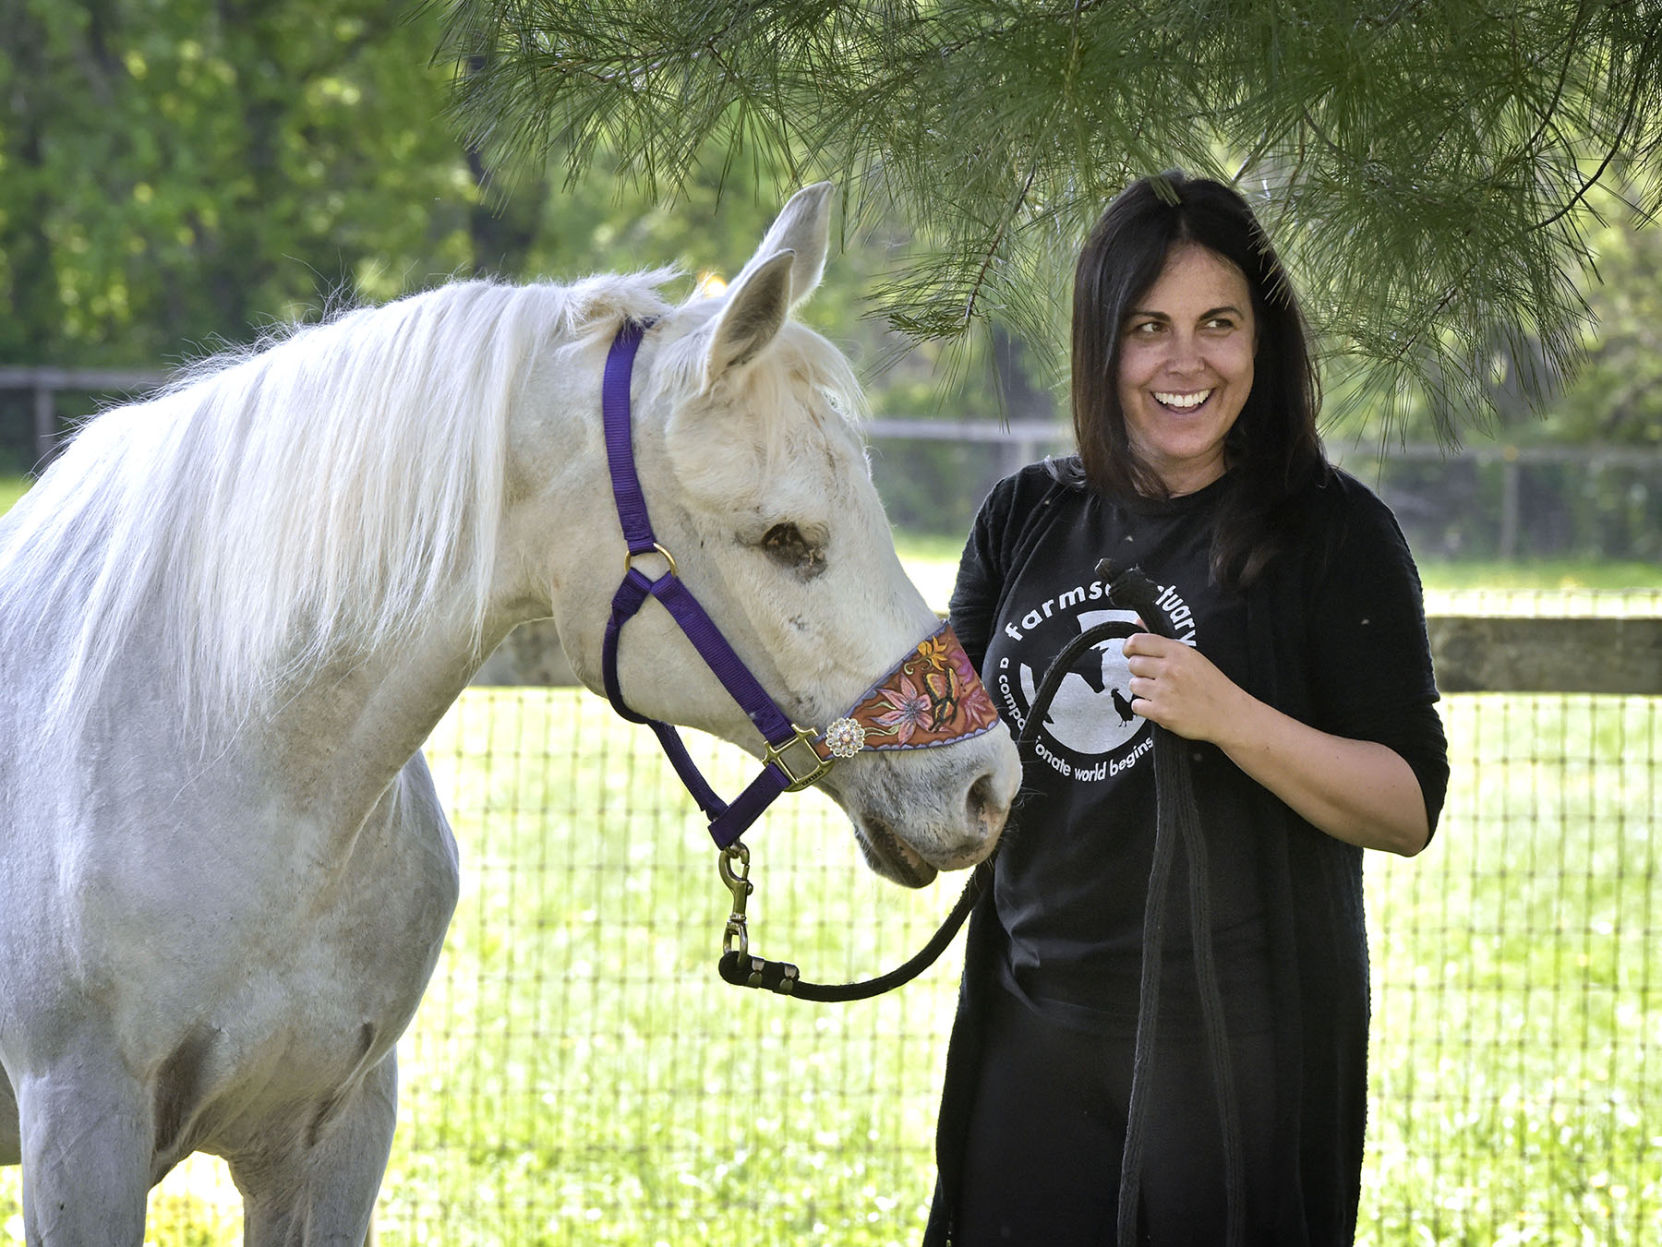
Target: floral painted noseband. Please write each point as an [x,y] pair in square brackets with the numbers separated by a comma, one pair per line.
[931,697]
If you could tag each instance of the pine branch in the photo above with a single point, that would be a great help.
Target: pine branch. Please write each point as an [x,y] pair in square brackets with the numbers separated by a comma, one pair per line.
[1420,165]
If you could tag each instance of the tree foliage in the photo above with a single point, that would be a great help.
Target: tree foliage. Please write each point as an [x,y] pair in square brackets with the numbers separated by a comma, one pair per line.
[1425,167]
[171,174]
[1617,395]
[176,175]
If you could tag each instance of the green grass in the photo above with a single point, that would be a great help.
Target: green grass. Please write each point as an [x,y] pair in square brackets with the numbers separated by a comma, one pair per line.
[578,1075]
[11,489]
[926,549]
[932,562]
[1518,1029]
[627,1094]
[632,1095]
[1541,574]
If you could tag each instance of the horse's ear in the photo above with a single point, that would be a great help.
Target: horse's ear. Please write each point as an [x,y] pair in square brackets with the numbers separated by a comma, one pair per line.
[803,227]
[757,305]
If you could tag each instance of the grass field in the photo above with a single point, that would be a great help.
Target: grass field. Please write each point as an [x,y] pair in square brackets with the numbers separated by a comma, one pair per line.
[11,489]
[578,1075]
[628,1096]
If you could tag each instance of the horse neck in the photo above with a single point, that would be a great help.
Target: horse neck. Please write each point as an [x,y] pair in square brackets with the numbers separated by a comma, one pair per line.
[349,727]
[338,737]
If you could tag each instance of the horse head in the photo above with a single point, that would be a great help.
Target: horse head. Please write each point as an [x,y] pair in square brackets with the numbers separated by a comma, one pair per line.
[754,470]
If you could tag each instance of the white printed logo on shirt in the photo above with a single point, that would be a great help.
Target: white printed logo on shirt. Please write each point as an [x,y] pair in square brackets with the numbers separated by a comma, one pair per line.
[1091,717]
[1090,732]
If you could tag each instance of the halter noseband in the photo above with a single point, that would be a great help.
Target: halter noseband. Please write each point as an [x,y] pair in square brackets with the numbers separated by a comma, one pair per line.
[931,697]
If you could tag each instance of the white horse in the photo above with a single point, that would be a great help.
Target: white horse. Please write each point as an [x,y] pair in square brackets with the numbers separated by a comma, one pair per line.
[230,615]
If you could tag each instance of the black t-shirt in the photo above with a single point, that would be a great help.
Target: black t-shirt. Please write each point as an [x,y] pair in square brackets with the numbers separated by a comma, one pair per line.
[1335,636]
[1072,878]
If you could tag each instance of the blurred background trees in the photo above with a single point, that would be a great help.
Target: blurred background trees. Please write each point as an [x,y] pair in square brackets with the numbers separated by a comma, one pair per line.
[178,173]
[1461,190]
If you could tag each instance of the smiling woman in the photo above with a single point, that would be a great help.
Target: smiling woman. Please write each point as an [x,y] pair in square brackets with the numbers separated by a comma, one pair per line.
[1293,670]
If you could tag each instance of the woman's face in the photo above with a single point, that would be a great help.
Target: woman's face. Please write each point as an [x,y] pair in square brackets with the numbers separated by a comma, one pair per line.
[1185,366]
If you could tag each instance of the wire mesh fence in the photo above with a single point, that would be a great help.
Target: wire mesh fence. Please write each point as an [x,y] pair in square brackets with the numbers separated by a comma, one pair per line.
[577,1073]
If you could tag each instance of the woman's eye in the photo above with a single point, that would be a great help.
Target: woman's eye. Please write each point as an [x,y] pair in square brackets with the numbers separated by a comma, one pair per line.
[785,545]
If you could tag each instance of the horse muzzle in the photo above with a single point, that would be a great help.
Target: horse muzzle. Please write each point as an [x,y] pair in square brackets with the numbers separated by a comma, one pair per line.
[945,812]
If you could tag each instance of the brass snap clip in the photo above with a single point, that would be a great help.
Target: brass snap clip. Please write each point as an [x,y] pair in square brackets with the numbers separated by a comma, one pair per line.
[734,867]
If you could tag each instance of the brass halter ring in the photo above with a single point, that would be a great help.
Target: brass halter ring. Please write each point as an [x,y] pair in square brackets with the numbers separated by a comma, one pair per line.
[630,556]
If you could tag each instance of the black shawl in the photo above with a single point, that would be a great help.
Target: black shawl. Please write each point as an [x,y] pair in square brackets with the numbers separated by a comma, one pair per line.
[1337,639]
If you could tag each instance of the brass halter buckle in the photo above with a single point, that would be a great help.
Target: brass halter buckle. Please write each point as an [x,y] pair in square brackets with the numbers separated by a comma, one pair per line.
[805,767]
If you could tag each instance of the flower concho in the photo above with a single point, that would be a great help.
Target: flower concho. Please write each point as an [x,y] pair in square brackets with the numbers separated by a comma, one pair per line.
[930,697]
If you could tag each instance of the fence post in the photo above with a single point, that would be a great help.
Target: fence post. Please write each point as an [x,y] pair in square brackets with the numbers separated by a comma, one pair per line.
[1509,503]
[46,423]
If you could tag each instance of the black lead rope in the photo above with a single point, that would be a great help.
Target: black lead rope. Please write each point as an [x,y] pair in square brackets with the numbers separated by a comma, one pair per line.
[741,968]
[1177,820]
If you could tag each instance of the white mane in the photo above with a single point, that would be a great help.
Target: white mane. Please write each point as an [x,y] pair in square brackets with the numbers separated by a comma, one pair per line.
[295,505]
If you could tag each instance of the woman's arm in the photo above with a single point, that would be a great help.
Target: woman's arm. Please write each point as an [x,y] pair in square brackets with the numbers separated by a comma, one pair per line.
[1358,791]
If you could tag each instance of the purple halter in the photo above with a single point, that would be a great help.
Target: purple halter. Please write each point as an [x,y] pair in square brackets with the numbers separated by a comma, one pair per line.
[931,697]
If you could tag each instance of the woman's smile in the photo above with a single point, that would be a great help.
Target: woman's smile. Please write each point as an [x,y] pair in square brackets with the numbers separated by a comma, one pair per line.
[1182,402]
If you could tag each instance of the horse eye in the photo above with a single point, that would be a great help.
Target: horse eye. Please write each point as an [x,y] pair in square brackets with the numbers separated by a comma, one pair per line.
[785,545]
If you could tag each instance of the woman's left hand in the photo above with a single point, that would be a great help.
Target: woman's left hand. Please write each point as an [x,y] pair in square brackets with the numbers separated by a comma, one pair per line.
[1358,791]
[1178,687]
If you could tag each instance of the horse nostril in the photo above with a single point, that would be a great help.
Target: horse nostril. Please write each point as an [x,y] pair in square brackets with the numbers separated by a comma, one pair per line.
[983,806]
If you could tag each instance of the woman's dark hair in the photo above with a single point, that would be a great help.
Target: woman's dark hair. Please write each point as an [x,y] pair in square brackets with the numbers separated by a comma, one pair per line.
[1273,452]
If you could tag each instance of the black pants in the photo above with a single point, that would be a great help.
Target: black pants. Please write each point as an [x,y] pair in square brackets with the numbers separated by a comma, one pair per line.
[1042,1161]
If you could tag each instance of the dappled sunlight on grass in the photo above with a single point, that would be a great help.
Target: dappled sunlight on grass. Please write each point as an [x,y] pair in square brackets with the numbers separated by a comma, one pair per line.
[576,1021]
[1517,1014]
[196,1205]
